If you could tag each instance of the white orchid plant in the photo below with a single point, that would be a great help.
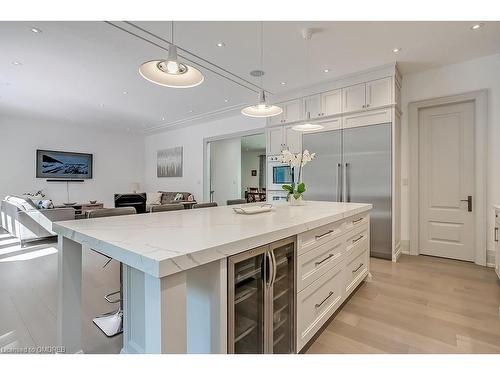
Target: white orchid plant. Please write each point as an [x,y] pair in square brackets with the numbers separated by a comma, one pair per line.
[296,161]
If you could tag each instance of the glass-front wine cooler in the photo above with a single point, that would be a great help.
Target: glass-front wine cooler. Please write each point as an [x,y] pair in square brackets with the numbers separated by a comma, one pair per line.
[262,298]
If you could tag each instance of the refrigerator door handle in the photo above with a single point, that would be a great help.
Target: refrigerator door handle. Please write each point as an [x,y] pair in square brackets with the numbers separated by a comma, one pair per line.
[347,182]
[339,182]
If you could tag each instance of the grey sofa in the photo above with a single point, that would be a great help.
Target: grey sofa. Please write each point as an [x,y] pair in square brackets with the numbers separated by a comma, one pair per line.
[23,220]
[168,197]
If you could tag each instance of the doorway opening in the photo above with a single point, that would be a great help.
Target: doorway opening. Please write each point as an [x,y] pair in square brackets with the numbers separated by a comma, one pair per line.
[236,169]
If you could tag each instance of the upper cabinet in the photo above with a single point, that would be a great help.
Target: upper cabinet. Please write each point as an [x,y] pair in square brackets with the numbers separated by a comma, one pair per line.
[374,94]
[367,95]
[312,105]
[292,112]
[354,98]
[378,93]
[331,103]
[322,105]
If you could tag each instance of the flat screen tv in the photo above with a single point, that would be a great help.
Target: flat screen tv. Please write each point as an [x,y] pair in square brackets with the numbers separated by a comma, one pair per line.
[63,165]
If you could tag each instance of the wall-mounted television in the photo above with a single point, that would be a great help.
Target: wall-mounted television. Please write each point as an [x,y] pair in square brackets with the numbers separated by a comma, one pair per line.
[63,165]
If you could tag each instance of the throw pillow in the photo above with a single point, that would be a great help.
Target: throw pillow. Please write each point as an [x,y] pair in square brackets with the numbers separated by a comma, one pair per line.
[178,197]
[45,204]
[153,198]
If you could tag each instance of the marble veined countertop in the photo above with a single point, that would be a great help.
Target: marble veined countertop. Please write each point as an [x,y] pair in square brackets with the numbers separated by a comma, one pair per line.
[165,243]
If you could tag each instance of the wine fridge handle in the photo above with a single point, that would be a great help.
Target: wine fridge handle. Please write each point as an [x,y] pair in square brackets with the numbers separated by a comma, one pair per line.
[269,274]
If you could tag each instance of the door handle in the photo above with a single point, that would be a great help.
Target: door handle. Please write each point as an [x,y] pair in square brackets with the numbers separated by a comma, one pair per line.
[323,235]
[347,182]
[318,305]
[469,202]
[339,182]
[496,234]
[269,275]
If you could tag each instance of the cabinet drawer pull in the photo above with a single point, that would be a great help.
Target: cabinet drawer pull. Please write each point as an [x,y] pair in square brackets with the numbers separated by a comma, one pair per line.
[357,239]
[323,235]
[323,261]
[357,268]
[496,234]
[318,305]
[357,220]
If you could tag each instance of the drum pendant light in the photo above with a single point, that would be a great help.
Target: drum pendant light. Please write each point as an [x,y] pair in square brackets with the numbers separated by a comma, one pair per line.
[262,109]
[171,72]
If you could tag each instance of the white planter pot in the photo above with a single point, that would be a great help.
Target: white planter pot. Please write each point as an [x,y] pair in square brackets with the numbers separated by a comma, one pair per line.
[296,202]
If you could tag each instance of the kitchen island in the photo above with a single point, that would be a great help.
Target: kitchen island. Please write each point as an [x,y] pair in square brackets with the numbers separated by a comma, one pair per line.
[175,267]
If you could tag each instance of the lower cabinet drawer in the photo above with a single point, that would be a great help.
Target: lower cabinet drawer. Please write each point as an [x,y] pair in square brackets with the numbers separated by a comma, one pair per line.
[317,303]
[314,263]
[356,221]
[356,268]
[313,238]
[356,239]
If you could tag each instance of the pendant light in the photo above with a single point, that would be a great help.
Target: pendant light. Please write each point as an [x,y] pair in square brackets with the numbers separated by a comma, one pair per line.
[307,126]
[262,109]
[171,72]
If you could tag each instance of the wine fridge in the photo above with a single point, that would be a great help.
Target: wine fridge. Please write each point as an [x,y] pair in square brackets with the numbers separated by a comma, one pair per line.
[262,298]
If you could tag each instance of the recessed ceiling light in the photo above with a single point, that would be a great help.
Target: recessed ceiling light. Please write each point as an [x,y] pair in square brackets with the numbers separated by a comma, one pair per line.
[190,111]
[396,50]
[102,105]
[326,70]
[163,119]
[125,92]
[35,30]
[17,63]
[226,100]
[477,26]
[221,44]
[283,83]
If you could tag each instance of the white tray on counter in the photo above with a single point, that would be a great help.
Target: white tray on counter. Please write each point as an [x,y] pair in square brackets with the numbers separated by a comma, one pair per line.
[251,210]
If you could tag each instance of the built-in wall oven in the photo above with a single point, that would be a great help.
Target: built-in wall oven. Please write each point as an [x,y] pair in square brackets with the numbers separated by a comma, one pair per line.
[278,174]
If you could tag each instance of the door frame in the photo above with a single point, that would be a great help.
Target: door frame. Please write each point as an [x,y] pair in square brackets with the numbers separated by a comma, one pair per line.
[479,98]
[206,158]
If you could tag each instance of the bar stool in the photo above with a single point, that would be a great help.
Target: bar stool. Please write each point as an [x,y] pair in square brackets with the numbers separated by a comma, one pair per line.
[230,202]
[167,207]
[205,205]
[111,324]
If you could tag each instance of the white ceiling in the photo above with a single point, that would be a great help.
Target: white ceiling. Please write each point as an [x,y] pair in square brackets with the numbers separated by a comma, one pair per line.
[78,71]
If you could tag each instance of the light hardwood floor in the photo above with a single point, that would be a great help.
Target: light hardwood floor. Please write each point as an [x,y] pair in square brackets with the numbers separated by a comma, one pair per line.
[28,296]
[418,305]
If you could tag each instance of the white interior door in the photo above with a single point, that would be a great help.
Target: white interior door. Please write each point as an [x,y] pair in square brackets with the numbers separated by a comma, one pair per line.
[225,169]
[446,179]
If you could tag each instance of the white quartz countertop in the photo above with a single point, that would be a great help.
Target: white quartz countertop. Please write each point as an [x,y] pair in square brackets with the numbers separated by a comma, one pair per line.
[165,243]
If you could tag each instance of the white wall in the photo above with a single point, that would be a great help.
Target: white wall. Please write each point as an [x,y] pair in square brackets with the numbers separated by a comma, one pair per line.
[225,169]
[249,161]
[118,159]
[192,140]
[482,73]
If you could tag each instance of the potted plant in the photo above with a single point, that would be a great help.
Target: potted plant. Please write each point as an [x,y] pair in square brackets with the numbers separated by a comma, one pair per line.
[296,161]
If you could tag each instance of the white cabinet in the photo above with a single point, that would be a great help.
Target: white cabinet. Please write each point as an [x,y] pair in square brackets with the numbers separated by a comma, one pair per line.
[293,139]
[331,103]
[378,92]
[282,137]
[497,242]
[353,98]
[371,94]
[275,140]
[312,105]
[292,112]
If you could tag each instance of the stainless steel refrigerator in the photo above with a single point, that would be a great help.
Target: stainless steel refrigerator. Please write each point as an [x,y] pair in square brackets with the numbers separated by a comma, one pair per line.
[261,299]
[354,165]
